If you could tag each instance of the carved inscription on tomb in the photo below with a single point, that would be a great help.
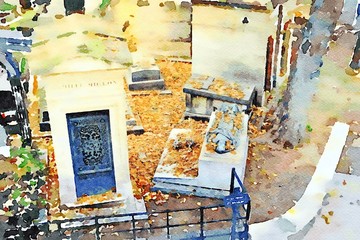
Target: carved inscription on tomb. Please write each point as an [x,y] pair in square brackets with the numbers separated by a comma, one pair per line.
[90,84]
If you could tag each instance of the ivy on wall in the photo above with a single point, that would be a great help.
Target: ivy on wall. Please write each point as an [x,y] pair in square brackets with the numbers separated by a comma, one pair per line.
[22,198]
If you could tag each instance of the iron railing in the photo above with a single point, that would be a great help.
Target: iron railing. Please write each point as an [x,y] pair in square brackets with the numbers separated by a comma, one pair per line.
[171,226]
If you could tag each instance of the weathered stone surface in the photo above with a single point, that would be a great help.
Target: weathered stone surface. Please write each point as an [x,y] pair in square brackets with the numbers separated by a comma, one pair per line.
[145,75]
[201,100]
[356,143]
[185,4]
[214,169]
[143,3]
[145,78]
[79,93]
[170,5]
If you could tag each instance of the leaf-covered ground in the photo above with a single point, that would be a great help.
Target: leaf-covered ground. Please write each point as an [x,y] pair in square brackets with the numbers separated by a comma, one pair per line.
[159,114]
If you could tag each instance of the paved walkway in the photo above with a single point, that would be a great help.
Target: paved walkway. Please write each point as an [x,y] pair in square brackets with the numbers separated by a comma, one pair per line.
[340,216]
[297,218]
[353,153]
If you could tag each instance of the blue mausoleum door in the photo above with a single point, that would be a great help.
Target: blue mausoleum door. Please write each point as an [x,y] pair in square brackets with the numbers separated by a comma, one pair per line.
[91,152]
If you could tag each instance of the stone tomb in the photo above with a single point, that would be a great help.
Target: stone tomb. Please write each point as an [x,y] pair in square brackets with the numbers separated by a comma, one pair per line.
[88,126]
[214,169]
[145,76]
[204,94]
[133,123]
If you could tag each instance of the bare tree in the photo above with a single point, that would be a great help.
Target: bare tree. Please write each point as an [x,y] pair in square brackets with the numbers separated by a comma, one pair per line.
[304,72]
[355,61]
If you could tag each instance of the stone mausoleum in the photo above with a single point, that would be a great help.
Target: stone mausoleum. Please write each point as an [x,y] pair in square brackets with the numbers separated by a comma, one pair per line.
[88,127]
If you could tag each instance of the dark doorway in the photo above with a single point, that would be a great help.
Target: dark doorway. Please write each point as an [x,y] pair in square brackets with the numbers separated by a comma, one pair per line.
[91,152]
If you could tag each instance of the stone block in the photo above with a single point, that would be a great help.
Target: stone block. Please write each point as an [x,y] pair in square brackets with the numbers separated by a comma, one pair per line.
[204,94]
[145,78]
[145,75]
[214,169]
[165,170]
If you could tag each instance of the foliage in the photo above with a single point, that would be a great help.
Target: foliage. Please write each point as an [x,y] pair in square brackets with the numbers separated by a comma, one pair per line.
[23,201]
[104,4]
[23,64]
[309,128]
[6,7]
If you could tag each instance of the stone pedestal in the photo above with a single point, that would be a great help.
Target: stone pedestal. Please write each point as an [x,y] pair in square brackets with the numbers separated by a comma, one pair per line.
[214,169]
[202,100]
[145,77]
[83,106]
[217,167]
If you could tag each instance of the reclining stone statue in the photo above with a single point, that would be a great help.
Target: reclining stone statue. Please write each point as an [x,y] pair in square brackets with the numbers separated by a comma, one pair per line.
[224,130]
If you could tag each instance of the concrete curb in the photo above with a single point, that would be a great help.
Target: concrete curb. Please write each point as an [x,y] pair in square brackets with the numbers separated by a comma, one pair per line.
[296,218]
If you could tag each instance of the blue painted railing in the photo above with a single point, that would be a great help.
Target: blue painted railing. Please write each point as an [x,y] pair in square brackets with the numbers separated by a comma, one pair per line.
[239,202]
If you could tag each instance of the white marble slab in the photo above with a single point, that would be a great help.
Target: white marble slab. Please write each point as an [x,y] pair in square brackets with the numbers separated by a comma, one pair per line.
[168,171]
[214,169]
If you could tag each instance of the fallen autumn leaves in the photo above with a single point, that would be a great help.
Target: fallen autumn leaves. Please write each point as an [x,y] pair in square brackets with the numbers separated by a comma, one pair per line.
[159,115]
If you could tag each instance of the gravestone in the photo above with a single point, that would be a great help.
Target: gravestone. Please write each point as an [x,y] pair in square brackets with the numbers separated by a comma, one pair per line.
[145,75]
[88,127]
[204,93]
[213,168]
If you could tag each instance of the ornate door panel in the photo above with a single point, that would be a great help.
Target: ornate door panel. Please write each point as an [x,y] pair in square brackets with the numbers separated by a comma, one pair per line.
[91,152]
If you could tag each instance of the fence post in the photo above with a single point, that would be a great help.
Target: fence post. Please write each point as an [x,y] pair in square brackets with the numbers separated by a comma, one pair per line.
[133,226]
[97,231]
[202,223]
[61,231]
[167,224]
[232,180]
